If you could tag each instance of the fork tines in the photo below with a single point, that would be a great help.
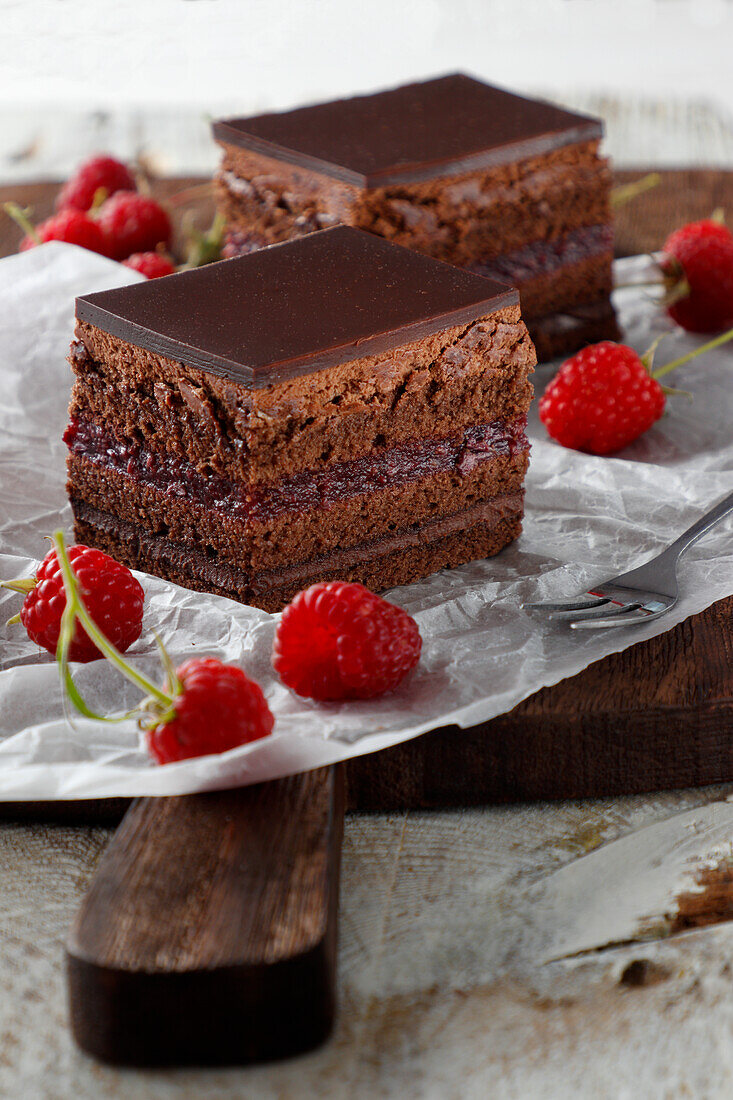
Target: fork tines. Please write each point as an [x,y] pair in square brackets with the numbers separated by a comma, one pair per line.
[593,609]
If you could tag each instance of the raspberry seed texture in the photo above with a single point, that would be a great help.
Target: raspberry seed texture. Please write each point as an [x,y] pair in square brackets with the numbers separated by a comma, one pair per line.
[216,708]
[338,640]
[113,598]
[601,400]
[133,223]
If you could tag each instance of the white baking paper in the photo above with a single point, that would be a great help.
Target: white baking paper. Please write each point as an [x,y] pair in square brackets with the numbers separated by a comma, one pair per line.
[586,518]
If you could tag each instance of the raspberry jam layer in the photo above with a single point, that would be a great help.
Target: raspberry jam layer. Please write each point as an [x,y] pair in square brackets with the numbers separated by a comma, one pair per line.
[238,243]
[544,257]
[384,468]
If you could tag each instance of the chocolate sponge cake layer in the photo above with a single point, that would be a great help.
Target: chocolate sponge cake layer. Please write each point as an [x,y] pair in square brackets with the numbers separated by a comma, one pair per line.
[457,219]
[267,526]
[445,382]
[396,559]
[247,450]
[452,168]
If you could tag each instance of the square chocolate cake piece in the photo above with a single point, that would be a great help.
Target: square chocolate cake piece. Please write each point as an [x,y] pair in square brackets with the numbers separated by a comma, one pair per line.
[511,188]
[336,407]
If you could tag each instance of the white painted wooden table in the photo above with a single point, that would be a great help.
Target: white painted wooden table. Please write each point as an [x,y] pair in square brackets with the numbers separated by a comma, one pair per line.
[449,925]
[175,141]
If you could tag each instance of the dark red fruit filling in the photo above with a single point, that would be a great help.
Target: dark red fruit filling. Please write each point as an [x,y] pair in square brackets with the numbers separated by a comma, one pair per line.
[544,257]
[386,467]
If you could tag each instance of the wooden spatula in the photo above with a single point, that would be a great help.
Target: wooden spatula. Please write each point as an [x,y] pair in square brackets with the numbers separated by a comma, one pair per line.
[208,935]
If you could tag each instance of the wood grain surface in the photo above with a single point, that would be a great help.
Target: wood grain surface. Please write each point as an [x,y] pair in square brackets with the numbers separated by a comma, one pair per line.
[659,715]
[208,935]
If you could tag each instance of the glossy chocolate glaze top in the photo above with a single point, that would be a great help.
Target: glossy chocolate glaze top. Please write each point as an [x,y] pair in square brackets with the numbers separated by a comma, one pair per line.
[295,308]
[416,132]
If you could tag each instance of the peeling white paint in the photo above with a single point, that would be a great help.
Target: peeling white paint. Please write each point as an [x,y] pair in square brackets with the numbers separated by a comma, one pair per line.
[627,890]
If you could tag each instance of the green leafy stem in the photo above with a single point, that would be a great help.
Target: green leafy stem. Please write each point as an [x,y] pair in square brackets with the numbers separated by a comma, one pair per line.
[156,700]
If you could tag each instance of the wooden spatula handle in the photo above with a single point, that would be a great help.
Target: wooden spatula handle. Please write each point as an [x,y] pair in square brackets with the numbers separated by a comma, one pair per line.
[208,935]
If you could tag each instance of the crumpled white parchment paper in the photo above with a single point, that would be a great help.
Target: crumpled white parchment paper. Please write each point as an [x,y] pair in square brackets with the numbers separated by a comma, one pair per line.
[586,518]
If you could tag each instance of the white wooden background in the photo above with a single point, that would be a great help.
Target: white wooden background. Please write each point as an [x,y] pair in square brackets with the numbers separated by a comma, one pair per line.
[48,144]
[144,77]
[255,54]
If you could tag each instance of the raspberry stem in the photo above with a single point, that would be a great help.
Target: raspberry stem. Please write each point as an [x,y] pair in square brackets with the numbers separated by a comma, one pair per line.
[715,343]
[22,218]
[647,284]
[648,357]
[190,194]
[99,197]
[203,248]
[173,677]
[24,585]
[658,272]
[627,191]
[76,610]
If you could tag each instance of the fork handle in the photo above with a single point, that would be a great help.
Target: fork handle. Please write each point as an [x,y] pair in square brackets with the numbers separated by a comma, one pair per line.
[700,528]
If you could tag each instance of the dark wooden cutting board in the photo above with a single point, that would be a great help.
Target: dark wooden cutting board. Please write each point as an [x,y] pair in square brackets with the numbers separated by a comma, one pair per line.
[149,936]
[658,715]
[209,933]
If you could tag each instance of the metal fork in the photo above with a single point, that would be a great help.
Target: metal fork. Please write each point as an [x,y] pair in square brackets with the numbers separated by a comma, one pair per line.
[640,595]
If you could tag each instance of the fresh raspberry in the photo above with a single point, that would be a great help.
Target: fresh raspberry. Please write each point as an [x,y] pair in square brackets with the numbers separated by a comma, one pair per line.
[113,598]
[601,399]
[341,641]
[133,223]
[702,254]
[97,173]
[217,709]
[72,227]
[152,265]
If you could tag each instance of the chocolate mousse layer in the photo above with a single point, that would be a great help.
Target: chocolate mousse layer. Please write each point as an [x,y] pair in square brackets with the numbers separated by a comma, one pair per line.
[452,168]
[396,559]
[238,446]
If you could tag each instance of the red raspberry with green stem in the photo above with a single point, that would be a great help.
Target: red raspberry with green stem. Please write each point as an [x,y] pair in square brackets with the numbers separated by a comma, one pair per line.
[606,396]
[697,264]
[114,600]
[70,226]
[696,275]
[205,706]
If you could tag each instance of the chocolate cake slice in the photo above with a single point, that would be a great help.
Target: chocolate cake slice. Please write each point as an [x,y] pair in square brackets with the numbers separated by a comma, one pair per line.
[512,188]
[333,407]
